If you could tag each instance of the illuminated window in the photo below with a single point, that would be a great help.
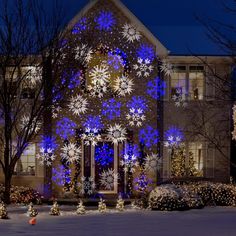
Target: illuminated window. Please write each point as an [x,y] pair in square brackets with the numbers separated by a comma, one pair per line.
[196,82]
[26,164]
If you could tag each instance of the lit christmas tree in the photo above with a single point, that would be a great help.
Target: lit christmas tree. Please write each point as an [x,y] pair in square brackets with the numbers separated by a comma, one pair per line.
[80,208]
[31,211]
[120,204]
[102,206]
[3,211]
[178,162]
[55,211]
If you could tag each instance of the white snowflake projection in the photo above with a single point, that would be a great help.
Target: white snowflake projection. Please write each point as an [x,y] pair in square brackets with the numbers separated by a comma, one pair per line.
[87,185]
[71,153]
[56,109]
[78,105]
[116,133]
[108,178]
[83,53]
[33,126]
[179,99]
[135,117]
[97,90]
[91,136]
[46,156]
[143,67]
[33,75]
[100,75]
[166,67]
[123,85]
[129,162]
[152,163]
[130,33]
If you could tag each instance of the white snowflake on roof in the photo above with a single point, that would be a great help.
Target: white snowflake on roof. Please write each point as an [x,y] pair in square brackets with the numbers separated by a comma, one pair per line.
[143,67]
[78,105]
[100,75]
[33,75]
[83,53]
[166,67]
[131,33]
[46,156]
[152,163]
[129,163]
[123,85]
[135,117]
[108,179]
[97,90]
[71,153]
[32,125]
[116,133]
[91,136]
[87,185]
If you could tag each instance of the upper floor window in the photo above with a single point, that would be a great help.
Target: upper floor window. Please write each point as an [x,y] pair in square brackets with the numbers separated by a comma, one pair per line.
[196,82]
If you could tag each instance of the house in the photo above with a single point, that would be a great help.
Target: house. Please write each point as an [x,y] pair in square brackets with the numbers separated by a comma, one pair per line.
[131,110]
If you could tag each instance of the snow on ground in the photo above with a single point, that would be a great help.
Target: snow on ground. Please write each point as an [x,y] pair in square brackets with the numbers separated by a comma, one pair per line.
[208,221]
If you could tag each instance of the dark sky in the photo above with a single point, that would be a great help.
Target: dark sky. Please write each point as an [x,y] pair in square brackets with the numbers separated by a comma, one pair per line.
[172,21]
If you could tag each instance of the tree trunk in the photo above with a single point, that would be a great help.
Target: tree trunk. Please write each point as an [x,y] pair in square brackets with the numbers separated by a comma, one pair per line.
[7,186]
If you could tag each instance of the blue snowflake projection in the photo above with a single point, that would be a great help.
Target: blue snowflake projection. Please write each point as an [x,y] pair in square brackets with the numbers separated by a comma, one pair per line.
[149,136]
[72,79]
[137,103]
[131,149]
[61,175]
[173,137]
[156,88]
[142,183]
[56,95]
[105,20]
[111,108]
[93,122]
[65,128]
[80,26]
[48,142]
[104,154]
[146,52]
[115,60]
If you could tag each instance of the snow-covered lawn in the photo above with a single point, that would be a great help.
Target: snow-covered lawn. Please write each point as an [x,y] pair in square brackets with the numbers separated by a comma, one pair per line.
[210,221]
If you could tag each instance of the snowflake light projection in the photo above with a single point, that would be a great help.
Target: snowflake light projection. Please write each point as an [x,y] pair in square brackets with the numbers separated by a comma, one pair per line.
[136,103]
[32,125]
[111,108]
[87,185]
[100,75]
[108,178]
[179,99]
[130,33]
[146,52]
[93,122]
[71,152]
[152,163]
[83,53]
[81,26]
[173,137]
[116,133]
[56,109]
[143,67]
[123,85]
[78,105]
[61,175]
[74,79]
[156,88]
[104,154]
[142,183]
[97,90]
[33,75]
[166,67]
[91,136]
[149,136]
[47,149]
[129,162]
[105,20]
[135,118]
[115,61]
[65,128]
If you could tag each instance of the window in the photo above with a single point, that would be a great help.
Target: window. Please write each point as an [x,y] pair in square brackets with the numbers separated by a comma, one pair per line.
[26,164]
[196,82]
[178,82]
[196,158]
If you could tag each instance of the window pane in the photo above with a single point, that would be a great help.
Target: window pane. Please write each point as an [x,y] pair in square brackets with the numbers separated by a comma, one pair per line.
[178,84]
[196,85]
[196,157]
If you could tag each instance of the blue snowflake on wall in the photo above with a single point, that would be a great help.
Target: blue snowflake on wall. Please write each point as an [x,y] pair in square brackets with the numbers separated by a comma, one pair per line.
[146,51]
[105,20]
[173,137]
[61,175]
[115,61]
[93,122]
[72,79]
[149,136]
[136,103]
[80,26]
[56,95]
[65,128]
[111,108]
[156,88]
[104,154]
[48,142]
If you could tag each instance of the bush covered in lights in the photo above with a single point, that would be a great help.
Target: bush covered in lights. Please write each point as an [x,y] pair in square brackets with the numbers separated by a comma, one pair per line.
[184,196]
